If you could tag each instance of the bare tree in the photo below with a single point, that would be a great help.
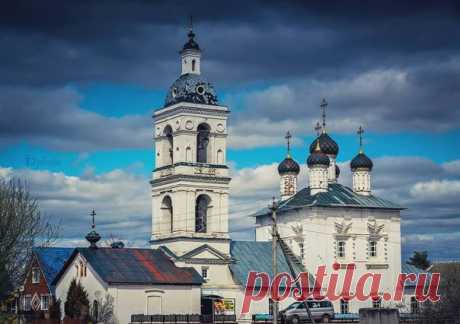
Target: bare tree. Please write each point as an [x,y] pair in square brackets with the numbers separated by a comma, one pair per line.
[102,309]
[21,228]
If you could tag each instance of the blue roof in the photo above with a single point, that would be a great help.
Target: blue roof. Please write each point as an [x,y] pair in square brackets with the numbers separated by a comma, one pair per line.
[256,256]
[51,261]
[337,195]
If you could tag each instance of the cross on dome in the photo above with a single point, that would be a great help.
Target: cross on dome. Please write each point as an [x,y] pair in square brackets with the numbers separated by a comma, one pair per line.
[323,106]
[93,237]
[288,139]
[360,133]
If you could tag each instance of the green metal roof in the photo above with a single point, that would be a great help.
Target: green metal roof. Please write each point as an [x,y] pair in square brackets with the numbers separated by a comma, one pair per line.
[336,196]
[257,256]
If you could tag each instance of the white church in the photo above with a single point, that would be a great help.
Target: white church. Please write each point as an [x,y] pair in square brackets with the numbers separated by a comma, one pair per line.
[325,223]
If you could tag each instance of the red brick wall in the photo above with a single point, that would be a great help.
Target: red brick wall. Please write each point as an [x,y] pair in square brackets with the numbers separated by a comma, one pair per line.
[32,288]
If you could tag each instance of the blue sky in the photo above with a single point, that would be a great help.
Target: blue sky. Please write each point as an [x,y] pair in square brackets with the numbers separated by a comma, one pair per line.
[77,95]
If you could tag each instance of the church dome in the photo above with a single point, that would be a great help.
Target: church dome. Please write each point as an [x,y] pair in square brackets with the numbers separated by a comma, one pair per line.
[191,88]
[191,43]
[326,143]
[288,165]
[361,161]
[318,158]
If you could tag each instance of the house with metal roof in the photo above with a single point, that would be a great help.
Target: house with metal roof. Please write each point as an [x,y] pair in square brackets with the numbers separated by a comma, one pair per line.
[140,281]
[39,289]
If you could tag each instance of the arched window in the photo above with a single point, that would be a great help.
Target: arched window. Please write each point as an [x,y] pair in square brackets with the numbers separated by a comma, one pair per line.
[168,145]
[96,310]
[167,211]
[193,65]
[202,143]
[201,213]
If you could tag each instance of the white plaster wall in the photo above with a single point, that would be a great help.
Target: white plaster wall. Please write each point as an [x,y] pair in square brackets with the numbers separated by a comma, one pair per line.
[320,239]
[128,300]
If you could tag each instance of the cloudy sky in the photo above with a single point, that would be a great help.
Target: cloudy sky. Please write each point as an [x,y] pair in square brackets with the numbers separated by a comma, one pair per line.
[80,79]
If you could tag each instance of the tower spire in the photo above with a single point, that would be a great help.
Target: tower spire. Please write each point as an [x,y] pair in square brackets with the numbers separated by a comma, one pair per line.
[360,134]
[323,106]
[288,139]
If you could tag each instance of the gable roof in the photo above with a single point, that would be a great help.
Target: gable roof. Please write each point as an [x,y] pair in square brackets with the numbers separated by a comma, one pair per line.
[337,195]
[51,261]
[257,256]
[132,266]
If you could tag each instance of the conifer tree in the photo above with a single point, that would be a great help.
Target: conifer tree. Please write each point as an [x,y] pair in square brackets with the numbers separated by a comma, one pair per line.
[77,303]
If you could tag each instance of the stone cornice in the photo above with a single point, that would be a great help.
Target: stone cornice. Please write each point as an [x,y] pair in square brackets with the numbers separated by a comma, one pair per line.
[191,178]
[175,110]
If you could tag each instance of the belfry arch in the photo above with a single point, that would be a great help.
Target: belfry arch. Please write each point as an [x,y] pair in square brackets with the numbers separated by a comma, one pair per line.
[202,205]
[202,142]
[169,146]
[167,213]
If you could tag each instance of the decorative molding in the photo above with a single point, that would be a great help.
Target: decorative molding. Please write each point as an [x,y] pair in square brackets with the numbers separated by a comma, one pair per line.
[192,164]
[189,110]
[342,229]
[377,266]
[192,178]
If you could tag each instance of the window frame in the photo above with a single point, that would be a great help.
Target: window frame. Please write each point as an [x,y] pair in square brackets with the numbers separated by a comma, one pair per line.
[205,273]
[35,275]
[373,248]
[341,248]
[42,298]
[27,306]
[377,303]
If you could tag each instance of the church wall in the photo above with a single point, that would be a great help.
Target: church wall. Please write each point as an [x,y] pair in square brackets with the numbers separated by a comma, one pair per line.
[319,233]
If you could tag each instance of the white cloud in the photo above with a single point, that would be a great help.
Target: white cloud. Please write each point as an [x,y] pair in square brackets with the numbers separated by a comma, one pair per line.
[435,190]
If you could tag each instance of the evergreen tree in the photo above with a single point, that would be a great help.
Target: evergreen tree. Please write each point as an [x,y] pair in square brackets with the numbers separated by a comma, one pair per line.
[420,260]
[77,303]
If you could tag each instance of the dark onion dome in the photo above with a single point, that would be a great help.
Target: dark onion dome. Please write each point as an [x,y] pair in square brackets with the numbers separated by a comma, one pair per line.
[361,161]
[192,88]
[93,237]
[288,165]
[337,171]
[318,158]
[327,145]
[191,44]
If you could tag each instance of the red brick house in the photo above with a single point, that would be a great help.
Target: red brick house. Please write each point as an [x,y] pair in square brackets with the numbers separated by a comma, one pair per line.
[37,294]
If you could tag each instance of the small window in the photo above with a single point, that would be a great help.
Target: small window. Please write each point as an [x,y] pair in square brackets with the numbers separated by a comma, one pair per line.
[377,303]
[27,303]
[35,275]
[344,306]
[373,248]
[302,250]
[44,302]
[341,249]
[193,65]
[204,273]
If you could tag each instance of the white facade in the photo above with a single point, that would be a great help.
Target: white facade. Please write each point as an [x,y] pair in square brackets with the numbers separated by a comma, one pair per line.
[130,299]
[318,178]
[179,179]
[288,185]
[314,235]
[361,181]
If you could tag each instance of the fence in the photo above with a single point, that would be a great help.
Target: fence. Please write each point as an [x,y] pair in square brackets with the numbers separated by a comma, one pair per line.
[182,318]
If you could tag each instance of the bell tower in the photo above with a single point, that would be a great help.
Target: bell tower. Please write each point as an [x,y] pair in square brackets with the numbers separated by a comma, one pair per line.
[190,182]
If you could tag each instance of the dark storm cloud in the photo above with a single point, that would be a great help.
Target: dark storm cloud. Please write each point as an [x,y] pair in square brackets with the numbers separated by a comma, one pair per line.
[55,42]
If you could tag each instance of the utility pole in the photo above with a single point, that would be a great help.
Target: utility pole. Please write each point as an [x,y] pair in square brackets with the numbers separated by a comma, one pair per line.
[273,207]
[275,238]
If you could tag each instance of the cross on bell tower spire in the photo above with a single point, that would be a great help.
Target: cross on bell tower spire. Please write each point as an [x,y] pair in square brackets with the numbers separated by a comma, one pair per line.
[288,139]
[360,134]
[323,106]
